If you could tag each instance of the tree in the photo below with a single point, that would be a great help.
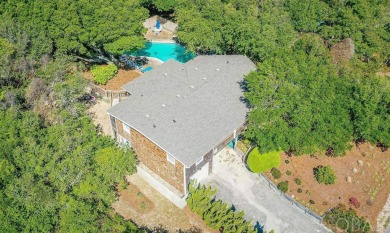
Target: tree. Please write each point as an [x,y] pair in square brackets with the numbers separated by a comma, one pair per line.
[299,103]
[90,31]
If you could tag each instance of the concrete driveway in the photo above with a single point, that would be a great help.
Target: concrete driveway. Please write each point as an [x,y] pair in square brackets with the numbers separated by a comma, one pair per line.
[246,191]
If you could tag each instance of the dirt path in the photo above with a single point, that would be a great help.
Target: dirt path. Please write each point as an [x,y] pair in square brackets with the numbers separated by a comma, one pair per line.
[161,213]
[99,115]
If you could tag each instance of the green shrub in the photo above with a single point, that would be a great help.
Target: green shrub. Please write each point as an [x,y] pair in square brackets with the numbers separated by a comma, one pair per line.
[298,181]
[101,74]
[283,186]
[347,220]
[215,213]
[276,174]
[287,161]
[288,172]
[259,163]
[299,190]
[325,175]
[312,202]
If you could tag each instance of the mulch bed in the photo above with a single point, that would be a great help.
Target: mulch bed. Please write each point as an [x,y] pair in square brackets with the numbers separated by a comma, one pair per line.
[116,83]
[369,180]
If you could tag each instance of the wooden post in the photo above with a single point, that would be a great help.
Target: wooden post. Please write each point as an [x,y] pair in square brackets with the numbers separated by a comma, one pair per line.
[111,98]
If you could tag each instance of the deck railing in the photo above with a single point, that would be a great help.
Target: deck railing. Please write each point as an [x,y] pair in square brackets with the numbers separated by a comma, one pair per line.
[111,94]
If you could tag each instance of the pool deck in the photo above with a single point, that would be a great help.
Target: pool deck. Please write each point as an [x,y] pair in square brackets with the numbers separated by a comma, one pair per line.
[164,36]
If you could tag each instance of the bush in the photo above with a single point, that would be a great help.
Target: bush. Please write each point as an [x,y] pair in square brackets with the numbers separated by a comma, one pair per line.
[259,163]
[298,181]
[299,190]
[312,202]
[101,74]
[287,161]
[283,186]
[288,173]
[275,173]
[325,175]
[347,220]
[216,213]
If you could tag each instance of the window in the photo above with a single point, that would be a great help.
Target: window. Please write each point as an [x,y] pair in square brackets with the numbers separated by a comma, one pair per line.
[171,159]
[126,128]
[123,141]
[199,161]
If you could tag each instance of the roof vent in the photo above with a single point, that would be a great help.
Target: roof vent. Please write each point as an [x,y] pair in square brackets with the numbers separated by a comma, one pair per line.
[196,68]
[217,69]
[178,95]
[163,105]
[204,78]
[154,126]
[165,74]
[174,121]
[147,115]
[192,87]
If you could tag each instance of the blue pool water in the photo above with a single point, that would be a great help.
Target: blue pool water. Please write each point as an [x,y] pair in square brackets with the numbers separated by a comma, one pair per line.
[165,52]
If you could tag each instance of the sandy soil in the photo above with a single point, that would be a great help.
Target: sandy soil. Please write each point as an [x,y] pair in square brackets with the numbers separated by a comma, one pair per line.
[164,35]
[99,115]
[116,83]
[161,212]
[370,181]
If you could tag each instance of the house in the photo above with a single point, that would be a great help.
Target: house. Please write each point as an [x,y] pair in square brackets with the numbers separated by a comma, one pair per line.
[179,116]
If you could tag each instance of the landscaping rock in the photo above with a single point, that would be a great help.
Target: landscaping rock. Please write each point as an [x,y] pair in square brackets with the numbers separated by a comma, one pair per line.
[349,179]
[360,162]
[355,170]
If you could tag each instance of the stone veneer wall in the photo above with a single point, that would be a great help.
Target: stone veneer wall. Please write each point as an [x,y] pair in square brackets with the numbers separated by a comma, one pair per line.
[154,157]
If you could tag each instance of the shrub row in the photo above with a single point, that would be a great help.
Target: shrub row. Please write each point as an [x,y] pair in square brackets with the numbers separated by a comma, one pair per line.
[216,214]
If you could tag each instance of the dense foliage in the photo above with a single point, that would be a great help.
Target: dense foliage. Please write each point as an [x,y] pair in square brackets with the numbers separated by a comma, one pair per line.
[260,163]
[57,173]
[66,184]
[325,175]
[101,74]
[216,213]
[91,30]
[347,219]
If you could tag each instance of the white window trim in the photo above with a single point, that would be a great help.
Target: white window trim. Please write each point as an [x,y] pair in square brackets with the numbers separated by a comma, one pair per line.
[126,128]
[123,141]
[171,159]
[199,161]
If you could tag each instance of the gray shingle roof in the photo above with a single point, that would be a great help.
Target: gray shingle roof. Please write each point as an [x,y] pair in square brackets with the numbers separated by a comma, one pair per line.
[187,109]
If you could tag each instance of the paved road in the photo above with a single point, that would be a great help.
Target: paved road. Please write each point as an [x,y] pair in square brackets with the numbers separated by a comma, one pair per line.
[246,191]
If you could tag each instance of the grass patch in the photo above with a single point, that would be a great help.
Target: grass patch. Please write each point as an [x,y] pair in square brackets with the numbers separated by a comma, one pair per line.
[259,163]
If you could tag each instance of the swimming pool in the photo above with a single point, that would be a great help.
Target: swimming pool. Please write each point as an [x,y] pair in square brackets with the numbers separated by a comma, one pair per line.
[165,52]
